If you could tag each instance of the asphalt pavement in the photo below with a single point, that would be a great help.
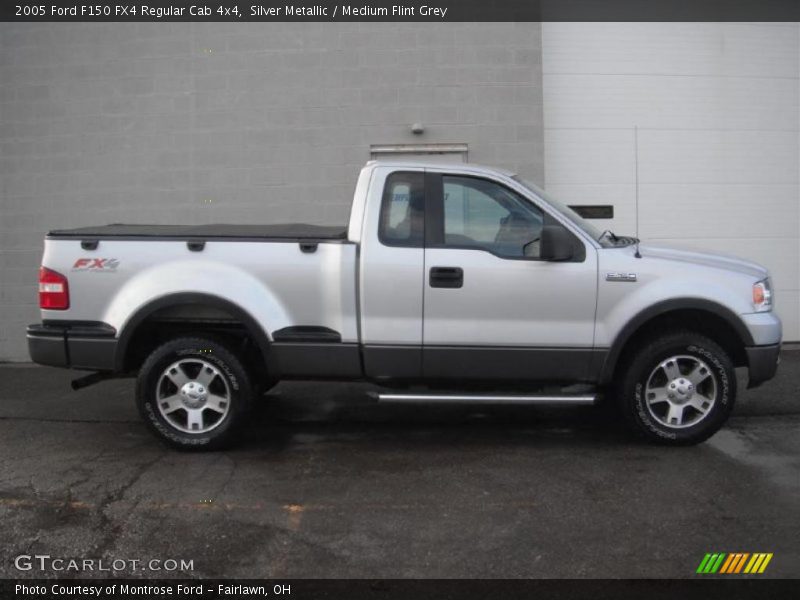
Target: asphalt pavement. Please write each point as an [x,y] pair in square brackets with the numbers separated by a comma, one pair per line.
[326,483]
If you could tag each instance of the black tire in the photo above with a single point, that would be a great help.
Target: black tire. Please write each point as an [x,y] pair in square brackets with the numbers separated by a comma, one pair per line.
[230,381]
[643,408]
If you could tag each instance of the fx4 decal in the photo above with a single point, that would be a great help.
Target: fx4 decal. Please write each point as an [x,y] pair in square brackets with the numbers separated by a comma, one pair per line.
[96,264]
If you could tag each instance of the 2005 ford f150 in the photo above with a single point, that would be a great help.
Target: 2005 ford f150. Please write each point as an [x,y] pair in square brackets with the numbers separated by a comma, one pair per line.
[450,283]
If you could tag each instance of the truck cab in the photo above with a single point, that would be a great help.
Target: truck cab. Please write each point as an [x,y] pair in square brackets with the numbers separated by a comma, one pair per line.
[461,279]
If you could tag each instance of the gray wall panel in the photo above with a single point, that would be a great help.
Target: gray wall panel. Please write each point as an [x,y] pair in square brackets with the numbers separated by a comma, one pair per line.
[217,122]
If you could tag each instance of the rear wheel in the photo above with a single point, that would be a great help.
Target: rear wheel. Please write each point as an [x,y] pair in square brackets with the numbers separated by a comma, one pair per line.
[194,393]
[679,389]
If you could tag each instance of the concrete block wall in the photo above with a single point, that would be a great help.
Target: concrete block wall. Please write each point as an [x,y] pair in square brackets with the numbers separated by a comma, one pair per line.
[216,122]
[691,131]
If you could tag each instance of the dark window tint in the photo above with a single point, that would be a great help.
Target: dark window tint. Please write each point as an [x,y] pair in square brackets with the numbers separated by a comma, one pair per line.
[483,214]
[402,209]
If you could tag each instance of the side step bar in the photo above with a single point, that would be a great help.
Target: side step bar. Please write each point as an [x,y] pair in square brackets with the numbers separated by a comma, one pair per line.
[579,400]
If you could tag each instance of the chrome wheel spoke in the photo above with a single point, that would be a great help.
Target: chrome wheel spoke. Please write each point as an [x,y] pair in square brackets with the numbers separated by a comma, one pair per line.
[170,404]
[177,376]
[217,403]
[675,414]
[194,419]
[700,404]
[699,374]
[671,369]
[656,395]
[206,375]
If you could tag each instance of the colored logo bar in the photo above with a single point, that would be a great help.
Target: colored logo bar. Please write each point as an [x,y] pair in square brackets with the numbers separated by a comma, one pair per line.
[734,562]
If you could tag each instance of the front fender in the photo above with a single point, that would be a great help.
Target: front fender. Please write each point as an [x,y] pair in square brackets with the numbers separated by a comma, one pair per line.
[652,300]
[653,311]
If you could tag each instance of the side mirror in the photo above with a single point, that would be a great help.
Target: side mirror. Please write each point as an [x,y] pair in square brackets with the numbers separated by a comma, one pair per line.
[556,243]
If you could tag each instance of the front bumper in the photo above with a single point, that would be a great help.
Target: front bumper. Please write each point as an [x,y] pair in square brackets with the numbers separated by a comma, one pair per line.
[762,362]
[77,345]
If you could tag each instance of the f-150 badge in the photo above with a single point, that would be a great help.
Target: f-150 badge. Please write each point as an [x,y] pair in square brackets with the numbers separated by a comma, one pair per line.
[620,276]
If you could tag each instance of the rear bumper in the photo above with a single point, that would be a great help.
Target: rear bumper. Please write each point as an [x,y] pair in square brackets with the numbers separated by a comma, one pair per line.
[762,362]
[90,346]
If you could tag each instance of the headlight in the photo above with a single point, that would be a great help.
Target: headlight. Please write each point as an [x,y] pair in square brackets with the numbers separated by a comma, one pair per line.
[762,295]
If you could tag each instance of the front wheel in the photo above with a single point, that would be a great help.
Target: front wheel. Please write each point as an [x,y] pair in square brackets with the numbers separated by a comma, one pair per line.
[194,393]
[678,389]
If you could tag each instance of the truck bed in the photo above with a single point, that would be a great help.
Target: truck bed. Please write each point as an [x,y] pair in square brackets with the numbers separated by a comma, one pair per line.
[277,232]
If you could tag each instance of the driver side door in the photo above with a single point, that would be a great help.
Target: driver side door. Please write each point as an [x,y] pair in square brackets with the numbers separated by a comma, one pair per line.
[492,309]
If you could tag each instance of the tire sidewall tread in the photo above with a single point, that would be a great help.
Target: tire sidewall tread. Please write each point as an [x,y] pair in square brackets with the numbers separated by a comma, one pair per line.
[630,392]
[214,352]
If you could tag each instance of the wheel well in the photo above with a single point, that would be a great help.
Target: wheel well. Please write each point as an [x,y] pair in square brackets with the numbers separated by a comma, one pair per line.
[193,319]
[701,321]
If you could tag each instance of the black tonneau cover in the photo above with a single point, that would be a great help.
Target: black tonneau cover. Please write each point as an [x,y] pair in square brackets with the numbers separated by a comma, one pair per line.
[285,232]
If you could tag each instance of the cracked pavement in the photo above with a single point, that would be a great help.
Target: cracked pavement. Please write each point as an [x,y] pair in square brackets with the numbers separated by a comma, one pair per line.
[328,484]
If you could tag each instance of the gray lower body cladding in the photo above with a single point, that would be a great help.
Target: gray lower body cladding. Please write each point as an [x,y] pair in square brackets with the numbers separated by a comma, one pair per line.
[503,365]
[762,363]
[93,346]
[90,346]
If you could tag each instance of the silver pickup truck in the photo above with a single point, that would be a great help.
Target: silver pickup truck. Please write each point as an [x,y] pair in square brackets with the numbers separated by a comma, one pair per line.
[451,283]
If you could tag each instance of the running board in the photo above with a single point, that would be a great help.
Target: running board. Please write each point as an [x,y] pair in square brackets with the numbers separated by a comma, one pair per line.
[581,400]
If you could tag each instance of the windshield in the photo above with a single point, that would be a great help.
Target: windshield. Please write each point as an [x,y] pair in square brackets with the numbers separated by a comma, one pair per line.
[595,233]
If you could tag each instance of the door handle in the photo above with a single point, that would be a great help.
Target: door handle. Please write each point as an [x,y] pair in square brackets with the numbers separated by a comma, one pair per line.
[446,277]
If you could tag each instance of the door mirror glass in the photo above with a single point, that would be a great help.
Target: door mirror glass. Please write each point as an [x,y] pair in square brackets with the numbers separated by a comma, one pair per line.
[533,249]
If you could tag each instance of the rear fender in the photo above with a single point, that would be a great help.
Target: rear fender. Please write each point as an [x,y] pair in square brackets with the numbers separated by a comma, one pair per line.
[179,283]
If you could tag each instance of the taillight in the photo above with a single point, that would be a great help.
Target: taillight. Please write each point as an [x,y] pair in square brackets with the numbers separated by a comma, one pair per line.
[53,290]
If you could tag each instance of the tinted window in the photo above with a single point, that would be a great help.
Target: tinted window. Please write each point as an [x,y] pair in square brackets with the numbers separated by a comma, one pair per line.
[483,214]
[401,221]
